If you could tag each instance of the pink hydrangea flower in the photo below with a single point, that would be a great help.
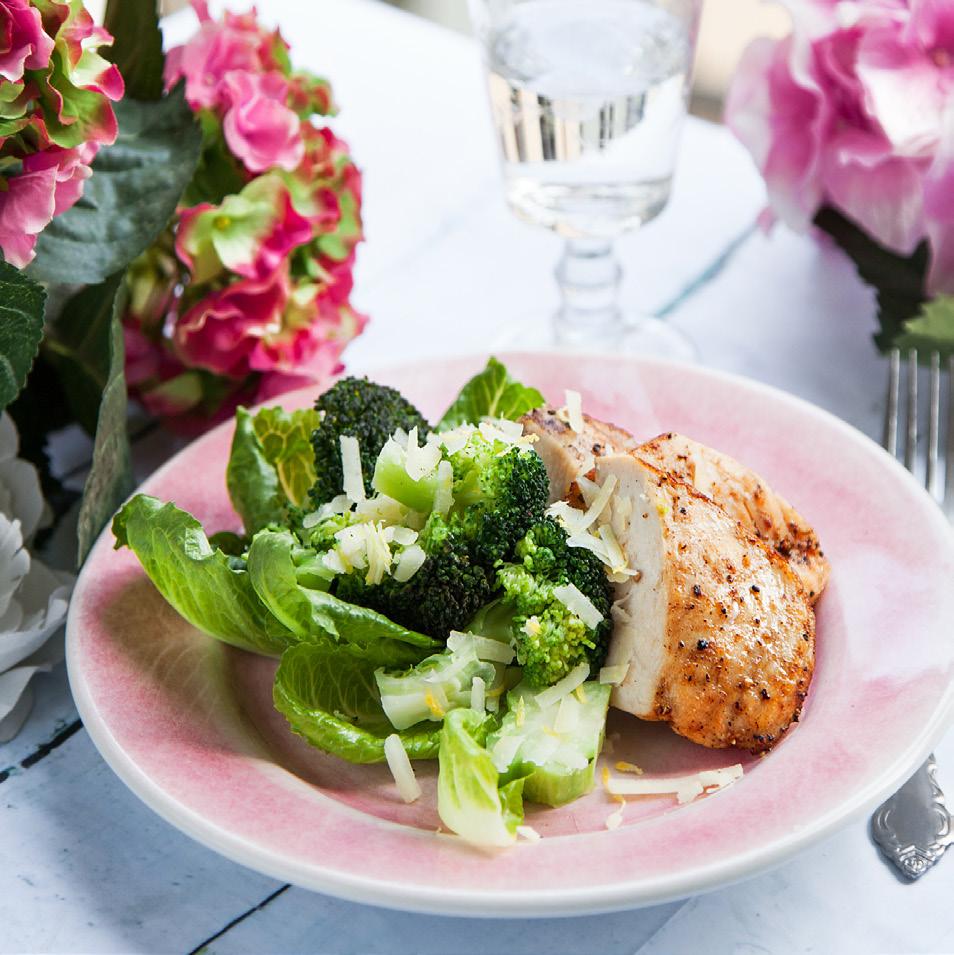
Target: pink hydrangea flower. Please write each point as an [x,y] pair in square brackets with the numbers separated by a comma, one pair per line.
[23,43]
[237,43]
[259,129]
[55,93]
[220,330]
[851,110]
[257,297]
[51,182]
[250,233]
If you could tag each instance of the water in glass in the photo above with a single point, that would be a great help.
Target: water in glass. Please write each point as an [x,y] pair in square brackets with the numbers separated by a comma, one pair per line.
[588,99]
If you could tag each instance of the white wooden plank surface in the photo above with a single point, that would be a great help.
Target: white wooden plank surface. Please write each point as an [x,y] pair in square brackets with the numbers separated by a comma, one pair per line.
[90,869]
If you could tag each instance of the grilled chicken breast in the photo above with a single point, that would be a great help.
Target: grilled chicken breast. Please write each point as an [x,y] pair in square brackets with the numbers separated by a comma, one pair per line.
[747,498]
[743,494]
[717,629]
[567,454]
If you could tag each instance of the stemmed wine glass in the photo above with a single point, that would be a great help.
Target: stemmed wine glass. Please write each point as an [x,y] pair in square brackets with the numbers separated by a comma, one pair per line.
[588,98]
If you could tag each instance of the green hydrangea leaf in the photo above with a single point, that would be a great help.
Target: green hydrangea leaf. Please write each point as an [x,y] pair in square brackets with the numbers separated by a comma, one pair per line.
[931,330]
[110,477]
[130,198]
[137,46]
[22,304]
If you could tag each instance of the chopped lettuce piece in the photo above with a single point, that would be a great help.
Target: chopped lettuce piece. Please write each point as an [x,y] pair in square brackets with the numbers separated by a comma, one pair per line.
[391,477]
[271,464]
[491,393]
[473,798]
[208,587]
[556,745]
[289,591]
[435,686]
[328,694]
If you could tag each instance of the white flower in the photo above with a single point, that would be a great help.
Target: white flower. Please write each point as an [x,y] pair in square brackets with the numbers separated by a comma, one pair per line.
[33,598]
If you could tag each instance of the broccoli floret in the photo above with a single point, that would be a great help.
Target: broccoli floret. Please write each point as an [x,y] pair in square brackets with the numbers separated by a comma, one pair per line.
[498,497]
[363,410]
[444,593]
[549,639]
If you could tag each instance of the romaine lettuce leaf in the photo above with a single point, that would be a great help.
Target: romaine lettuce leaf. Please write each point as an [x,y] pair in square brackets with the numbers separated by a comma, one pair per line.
[271,464]
[559,761]
[328,694]
[205,585]
[473,799]
[430,689]
[314,614]
[493,394]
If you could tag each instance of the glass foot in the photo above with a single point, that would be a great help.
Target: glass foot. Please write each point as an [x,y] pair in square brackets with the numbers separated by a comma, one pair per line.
[637,335]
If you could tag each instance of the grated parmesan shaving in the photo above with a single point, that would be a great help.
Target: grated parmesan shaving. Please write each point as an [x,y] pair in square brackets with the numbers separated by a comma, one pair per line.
[615,819]
[684,788]
[403,535]
[407,785]
[456,439]
[528,833]
[614,675]
[420,461]
[613,550]
[444,492]
[578,603]
[568,715]
[564,687]
[574,411]
[353,479]
[624,767]
[409,563]
[478,695]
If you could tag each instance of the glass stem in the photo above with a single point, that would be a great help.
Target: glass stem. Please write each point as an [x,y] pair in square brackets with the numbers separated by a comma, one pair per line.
[589,277]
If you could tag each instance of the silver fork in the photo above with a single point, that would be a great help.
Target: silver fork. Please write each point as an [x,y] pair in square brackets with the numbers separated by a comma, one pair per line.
[913,828]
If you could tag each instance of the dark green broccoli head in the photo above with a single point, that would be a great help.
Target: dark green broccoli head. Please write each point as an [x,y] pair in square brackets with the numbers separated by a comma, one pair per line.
[364,410]
[497,497]
[447,590]
[549,639]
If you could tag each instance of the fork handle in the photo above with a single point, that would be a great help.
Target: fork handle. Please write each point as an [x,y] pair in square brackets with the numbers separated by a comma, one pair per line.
[913,827]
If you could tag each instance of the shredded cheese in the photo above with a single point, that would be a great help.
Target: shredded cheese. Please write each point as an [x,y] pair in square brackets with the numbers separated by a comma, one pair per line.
[625,767]
[420,461]
[614,675]
[684,788]
[574,411]
[478,695]
[564,687]
[456,439]
[353,479]
[528,833]
[615,819]
[578,603]
[407,785]
[409,563]
[444,492]
[532,626]
[568,715]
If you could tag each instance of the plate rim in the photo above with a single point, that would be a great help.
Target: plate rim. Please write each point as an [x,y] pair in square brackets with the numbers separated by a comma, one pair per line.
[567,902]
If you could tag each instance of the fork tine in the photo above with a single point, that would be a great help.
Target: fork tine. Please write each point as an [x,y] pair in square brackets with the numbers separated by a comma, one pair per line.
[911,412]
[890,437]
[934,422]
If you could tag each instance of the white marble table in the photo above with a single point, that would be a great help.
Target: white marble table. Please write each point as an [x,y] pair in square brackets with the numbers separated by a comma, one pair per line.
[87,868]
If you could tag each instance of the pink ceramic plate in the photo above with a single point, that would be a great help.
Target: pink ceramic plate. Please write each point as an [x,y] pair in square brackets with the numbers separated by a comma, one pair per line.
[187,722]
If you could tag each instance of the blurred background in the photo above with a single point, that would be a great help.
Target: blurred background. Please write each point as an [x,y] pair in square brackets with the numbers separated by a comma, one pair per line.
[727,28]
